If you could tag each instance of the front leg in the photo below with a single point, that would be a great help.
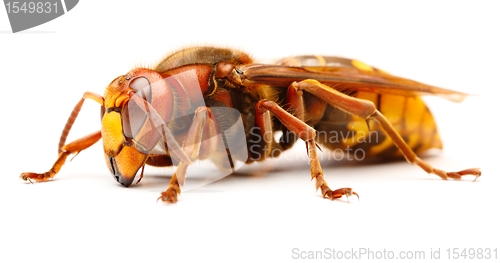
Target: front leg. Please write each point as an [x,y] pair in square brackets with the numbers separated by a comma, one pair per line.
[72,148]
[195,147]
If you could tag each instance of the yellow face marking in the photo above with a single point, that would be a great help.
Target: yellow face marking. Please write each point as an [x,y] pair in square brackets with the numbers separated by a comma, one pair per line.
[361,66]
[112,134]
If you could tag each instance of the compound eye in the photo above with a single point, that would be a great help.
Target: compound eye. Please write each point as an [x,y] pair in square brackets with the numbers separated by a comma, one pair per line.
[142,87]
[133,117]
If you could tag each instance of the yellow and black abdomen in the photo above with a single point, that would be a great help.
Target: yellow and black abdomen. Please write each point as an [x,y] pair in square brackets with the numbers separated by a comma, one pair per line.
[408,114]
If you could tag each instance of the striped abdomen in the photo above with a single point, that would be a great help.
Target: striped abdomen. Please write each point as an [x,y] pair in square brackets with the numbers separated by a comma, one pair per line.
[408,114]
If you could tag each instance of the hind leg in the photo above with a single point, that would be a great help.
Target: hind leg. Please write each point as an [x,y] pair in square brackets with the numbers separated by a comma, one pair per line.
[367,110]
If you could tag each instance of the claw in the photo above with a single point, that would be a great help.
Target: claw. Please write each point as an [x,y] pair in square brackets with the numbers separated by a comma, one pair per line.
[169,196]
[167,199]
[35,176]
[477,176]
[354,193]
[473,171]
[26,177]
[458,175]
[332,195]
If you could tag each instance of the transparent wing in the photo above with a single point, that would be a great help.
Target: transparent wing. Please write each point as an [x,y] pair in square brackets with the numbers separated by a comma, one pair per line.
[221,150]
[340,73]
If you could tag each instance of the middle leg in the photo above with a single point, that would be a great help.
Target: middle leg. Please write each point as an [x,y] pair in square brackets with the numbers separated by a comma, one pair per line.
[304,132]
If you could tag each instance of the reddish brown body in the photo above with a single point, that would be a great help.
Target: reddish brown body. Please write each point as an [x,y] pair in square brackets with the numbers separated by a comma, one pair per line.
[173,114]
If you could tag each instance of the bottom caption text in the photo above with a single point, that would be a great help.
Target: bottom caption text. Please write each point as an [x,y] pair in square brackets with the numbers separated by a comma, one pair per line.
[366,253]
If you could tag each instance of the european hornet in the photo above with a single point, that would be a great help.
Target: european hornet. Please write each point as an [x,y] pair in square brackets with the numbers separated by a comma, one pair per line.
[207,103]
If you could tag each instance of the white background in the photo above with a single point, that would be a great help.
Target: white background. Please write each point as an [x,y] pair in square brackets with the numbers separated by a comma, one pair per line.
[269,209]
